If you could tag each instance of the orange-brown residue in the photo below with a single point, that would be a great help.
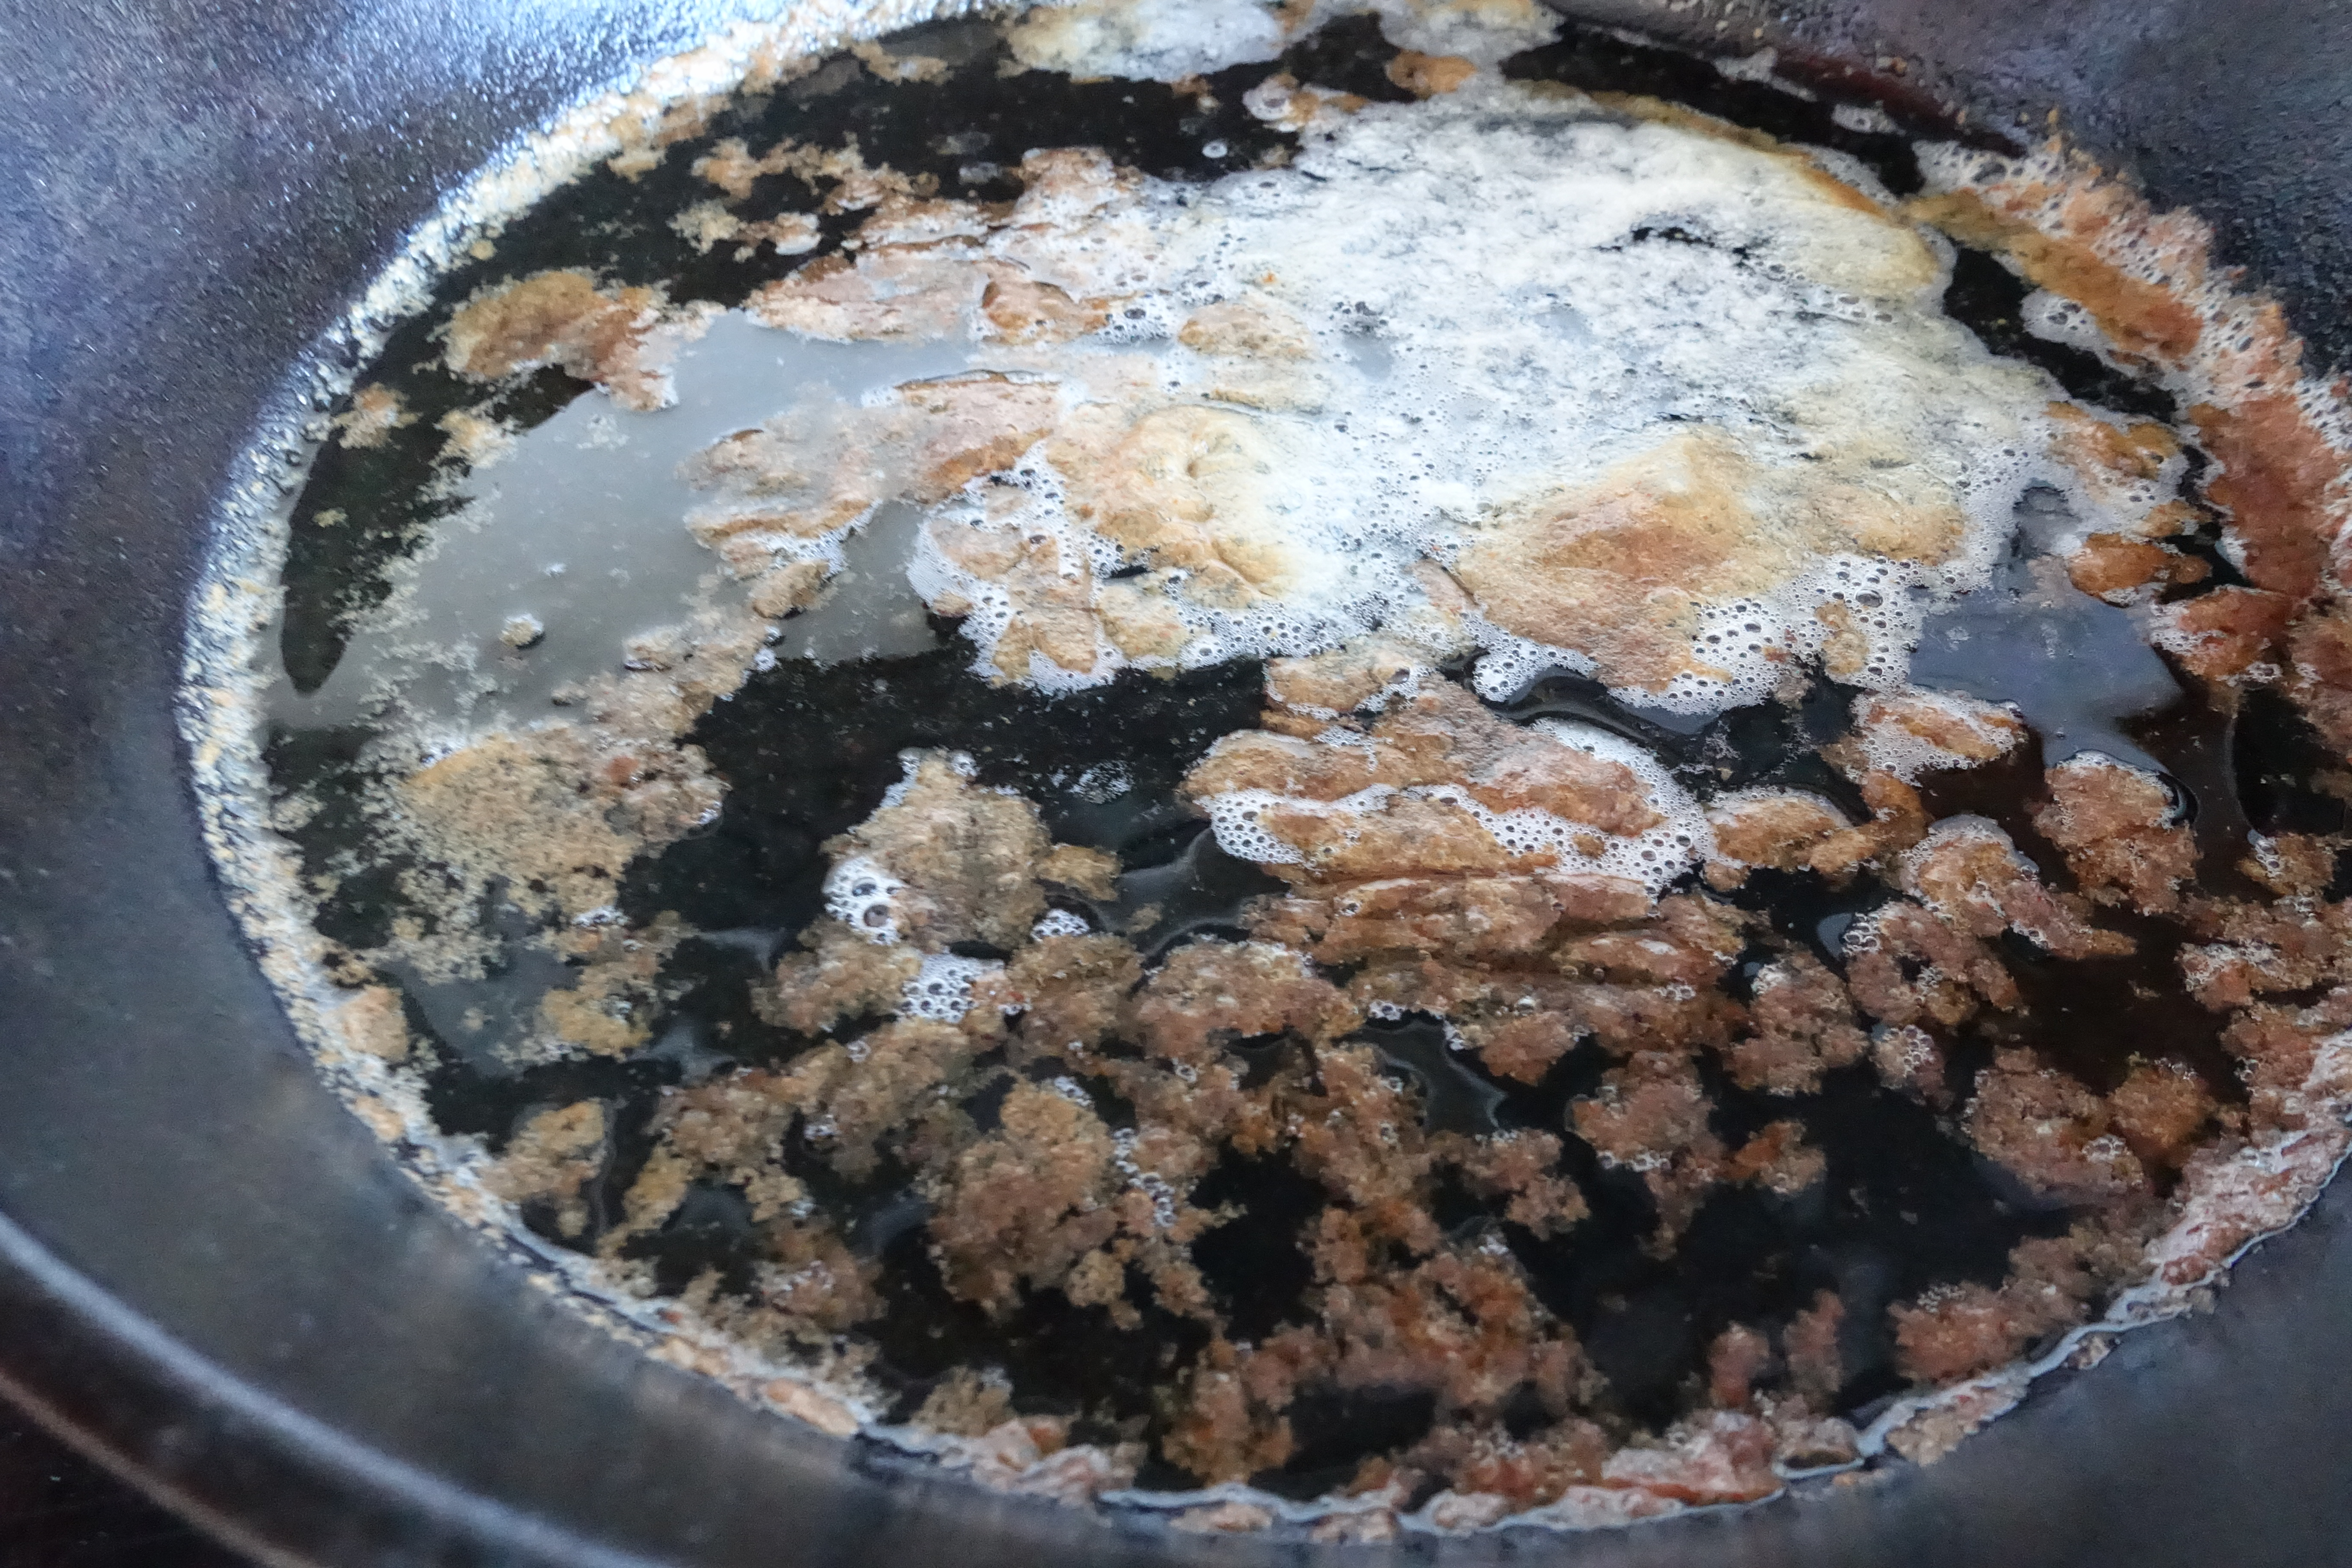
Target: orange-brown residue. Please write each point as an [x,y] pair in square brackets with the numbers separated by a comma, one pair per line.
[1437,735]
[2113,566]
[2115,825]
[2142,318]
[2227,635]
[1619,568]
[2280,479]
[613,337]
[1426,76]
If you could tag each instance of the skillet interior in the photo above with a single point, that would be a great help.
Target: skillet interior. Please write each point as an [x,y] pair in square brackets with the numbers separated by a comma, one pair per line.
[212,1275]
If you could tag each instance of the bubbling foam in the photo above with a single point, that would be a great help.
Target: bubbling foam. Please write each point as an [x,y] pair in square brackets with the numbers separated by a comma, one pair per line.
[1654,857]
[1672,409]
[941,989]
[858,894]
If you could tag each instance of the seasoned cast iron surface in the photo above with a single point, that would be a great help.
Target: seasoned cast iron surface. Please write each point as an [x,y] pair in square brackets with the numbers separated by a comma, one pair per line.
[188,199]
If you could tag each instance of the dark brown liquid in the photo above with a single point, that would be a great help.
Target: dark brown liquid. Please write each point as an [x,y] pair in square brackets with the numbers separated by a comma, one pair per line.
[806,752]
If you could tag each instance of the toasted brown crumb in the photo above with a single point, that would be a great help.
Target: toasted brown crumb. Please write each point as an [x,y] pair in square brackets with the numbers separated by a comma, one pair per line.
[1776,829]
[2319,661]
[1247,328]
[1908,1061]
[2292,864]
[1939,728]
[1967,871]
[1438,734]
[1816,1368]
[2121,466]
[2278,477]
[1221,1433]
[1930,1434]
[2159,1109]
[1524,1472]
[897,67]
[2116,827]
[1803,1026]
[1778,1160]
[1459,917]
[1089,871]
[1715,1459]
[844,975]
[2278,1047]
[512,806]
[1427,76]
[1022,1207]
[374,414]
[1210,993]
[1521,1047]
[1651,1116]
[969,857]
[887,1077]
[1070,991]
[1524,1167]
[2227,635]
[1897,822]
[1023,310]
[1957,1332]
[889,293]
[2115,568]
[1347,678]
[373,1022]
[2256,950]
[1802,1440]
[551,1157]
[564,318]
[608,1007]
[2051,1132]
[1956,971]
[966,1404]
[1738,1356]
[2141,317]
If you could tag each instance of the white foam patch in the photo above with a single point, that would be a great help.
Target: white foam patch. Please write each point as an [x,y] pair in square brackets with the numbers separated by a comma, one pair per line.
[2063,320]
[1654,857]
[1058,922]
[1500,296]
[1236,817]
[1165,40]
[941,989]
[1890,748]
[1509,663]
[858,894]
[1149,40]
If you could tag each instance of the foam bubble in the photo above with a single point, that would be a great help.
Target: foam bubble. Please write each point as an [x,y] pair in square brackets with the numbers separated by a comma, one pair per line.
[1654,857]
[1492,299]
[941,989]
[859,894]
[1058,922]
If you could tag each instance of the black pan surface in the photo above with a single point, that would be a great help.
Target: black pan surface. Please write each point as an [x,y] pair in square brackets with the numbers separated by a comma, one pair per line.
[215,1279]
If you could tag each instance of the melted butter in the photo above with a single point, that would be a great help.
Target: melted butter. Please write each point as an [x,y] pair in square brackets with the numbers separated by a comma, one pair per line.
[1307,380]
[1675,407]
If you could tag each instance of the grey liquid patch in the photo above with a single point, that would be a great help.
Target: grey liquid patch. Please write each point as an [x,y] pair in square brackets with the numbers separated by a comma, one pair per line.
[582,525]
[868,608]
[485,1020]
[2074,665]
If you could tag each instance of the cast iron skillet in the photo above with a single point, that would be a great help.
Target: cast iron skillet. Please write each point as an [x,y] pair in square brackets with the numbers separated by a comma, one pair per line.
[212,1278]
